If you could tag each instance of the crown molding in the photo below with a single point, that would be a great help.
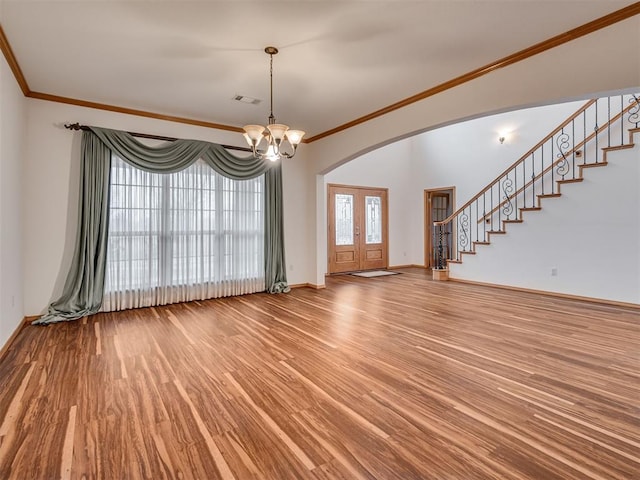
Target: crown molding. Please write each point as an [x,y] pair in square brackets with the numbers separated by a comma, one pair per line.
[586,29]
[6,49]
[131,111]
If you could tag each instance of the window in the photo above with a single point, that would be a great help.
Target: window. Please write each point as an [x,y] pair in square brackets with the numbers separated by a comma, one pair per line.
[177,237]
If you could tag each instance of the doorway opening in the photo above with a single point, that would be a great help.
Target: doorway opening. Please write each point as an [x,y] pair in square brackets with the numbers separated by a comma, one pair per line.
[439,203]
[357,228]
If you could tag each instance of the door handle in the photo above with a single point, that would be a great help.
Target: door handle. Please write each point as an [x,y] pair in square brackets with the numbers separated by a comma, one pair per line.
[357,230]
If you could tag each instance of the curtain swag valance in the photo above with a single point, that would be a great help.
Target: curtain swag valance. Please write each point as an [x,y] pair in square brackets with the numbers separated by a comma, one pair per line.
[83,290]
[171,157]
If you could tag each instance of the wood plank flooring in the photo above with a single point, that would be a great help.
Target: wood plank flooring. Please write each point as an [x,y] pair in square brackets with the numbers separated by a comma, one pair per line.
[395,377]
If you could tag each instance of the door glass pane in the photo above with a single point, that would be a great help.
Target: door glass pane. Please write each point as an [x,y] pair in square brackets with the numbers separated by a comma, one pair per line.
[344,219]
[373,219]
[439,207]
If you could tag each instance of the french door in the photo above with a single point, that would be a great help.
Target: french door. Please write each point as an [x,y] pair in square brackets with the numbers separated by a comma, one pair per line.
[357,230]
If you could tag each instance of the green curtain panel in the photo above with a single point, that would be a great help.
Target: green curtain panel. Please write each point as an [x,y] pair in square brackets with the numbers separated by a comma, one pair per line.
[275,271]
[82,293]
[84,287]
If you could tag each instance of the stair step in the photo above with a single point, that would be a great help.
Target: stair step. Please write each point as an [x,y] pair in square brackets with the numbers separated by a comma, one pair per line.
[470,252]
[571,180]
[591,165]
[617,147]
[482,243]
[549,195]
[496,232]
[513,221]
[454,261]
[530,209]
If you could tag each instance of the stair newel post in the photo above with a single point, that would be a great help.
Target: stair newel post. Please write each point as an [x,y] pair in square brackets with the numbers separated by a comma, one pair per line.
[441,234]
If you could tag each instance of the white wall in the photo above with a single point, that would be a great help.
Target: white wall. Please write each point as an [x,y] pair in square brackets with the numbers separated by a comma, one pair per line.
[468,154]
[12,139]
[296,188]
[51,187]
[590,235]
[387,167]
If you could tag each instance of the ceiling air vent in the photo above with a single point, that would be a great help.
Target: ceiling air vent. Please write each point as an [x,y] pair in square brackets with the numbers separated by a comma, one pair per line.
[245,99]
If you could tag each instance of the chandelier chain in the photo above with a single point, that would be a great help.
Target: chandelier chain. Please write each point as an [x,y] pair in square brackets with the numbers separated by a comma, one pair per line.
[271,117]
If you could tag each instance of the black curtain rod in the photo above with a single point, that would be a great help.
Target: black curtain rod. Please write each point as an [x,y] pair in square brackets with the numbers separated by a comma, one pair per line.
[77,126]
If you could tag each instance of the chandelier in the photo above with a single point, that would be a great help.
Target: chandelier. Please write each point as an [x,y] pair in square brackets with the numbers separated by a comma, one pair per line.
[275,134]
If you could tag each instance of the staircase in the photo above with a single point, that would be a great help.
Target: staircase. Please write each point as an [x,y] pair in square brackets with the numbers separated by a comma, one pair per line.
[579,143]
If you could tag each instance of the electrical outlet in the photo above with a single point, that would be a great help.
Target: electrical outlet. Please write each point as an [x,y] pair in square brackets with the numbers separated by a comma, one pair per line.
[554,271]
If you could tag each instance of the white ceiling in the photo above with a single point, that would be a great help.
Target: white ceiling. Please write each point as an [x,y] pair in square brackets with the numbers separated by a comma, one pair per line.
[338,60]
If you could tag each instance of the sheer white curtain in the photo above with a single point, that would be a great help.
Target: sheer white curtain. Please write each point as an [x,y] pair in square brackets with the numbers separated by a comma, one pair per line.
[185,236]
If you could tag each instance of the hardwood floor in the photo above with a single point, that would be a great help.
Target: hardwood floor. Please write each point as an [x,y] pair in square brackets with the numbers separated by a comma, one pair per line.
[394,377]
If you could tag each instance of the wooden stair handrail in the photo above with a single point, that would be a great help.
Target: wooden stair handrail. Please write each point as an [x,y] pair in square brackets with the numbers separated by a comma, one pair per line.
[517,162]
[546,170]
